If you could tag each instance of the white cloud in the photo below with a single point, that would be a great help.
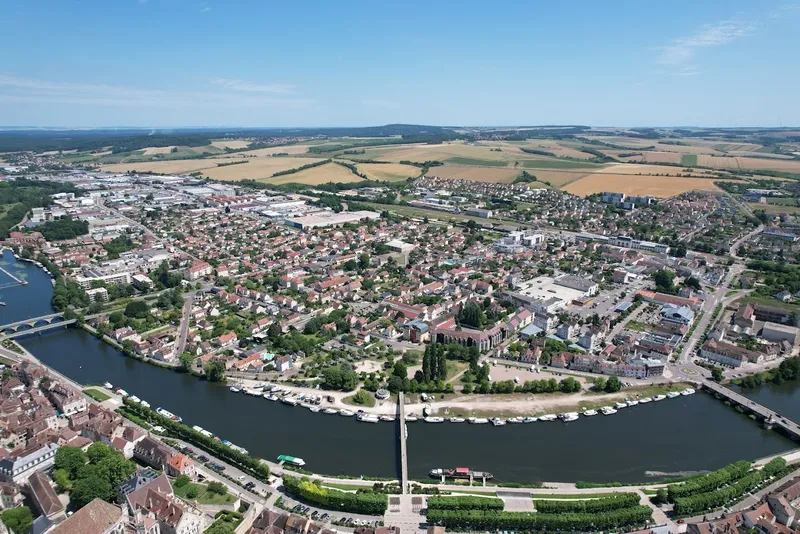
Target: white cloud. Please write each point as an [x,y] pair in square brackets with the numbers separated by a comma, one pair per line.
[244,86]
[29,91]
[682,50]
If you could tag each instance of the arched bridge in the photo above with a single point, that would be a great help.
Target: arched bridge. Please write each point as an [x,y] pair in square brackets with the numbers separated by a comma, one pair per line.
[34,324]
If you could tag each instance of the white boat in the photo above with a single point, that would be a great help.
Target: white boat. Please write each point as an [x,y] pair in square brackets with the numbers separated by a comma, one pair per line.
[347,413]
[569,416]
[330,411]
[290,402]
[169,415]
[645,400]
[607,410]
[121,392]
[478,420]
[498,422]
[405,431]
[108,385]
[515,420]
[620,405]
[672,394]
[530,419]
[633,402]
[367,418]
[548,417]
[589,413]
[688,391]
[145,404]
[273,397]
[434,419]
[412,418]
[253,392]
[387,418]
[306,405]
[134,398]
[234,389]
[315,409]
[659,398]
[456,420]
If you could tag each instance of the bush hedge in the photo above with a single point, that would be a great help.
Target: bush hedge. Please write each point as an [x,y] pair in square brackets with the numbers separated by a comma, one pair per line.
[245,462]
[604,504]
[705,483]
[526,521]
[465,503]
[330,499]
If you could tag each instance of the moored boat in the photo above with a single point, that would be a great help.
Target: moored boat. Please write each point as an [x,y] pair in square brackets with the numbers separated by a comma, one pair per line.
[108,385]
[387,418]
[607,410]
[235,389]
[290,402]
[347,413]
[548,417]
[569,416]
[168,415]
[688,391]
[456,420]
[620,405]
[515,420]
[530,419]
[434,419]
[498,422]
[330,411]
[459,472]
[672,394]
[478,420]
[659,398]
[367,418]
[411,418]
[285,458]
[589,413]
[646,400]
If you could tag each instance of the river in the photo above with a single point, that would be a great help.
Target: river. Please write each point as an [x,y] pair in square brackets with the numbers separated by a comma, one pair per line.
[683,434]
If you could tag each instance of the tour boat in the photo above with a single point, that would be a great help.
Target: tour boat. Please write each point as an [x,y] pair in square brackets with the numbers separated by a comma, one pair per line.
[459,472]
[478,420]
[367,418]
[434,419]
[589,413]
[515,420]
[569,416]
[347,413]
[530,419]
[659,398]
[285,458]
[387,418]
[672,394]
[169,415]
[645,400]
[607,410]
[108,385]
[456,420]
[688,391]
[498,422]
[234,389]
[330,411]
[620,405]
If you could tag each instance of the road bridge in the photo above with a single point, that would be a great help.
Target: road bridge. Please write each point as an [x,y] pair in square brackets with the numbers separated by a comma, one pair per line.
[768,417]
[403,444]
[38,329]
[33,322]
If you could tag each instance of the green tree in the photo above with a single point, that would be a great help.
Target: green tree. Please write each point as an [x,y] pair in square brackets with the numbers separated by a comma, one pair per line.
[471,314]
[214,371]
[665,281]
[599,384]
[70,459]
[716,374]
[116,468]
[217,487]
[186,359]
[613,384]
[86,489]
[98,451]
[19,519]
[137,309]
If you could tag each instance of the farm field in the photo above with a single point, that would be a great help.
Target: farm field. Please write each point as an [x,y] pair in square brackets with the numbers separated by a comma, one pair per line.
[287,149]
[330,172]
[718,162]
[553,163]
[643,168]
[556,178]
[775,209]
[503,175]
[657,186]
[255,168]
[661,157]
[153,150]
[769,164]
[234,144]
[388,172]
[177,166]
[559,148]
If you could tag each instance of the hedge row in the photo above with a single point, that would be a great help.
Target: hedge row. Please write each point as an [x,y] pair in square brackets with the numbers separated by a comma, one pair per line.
[245,462]
[330,499]
[604,504]
[702,502]
[705,483]
[526,521]
[465,503]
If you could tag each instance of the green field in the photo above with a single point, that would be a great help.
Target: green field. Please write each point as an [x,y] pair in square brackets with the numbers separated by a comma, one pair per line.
[690,160]
[203,495]
[558,164]
[474,162]
[97,395]
[570,496]
[782,201]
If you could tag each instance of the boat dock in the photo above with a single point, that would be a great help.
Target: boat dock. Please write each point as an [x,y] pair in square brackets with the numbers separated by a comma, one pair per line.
[14,278]
[403,444]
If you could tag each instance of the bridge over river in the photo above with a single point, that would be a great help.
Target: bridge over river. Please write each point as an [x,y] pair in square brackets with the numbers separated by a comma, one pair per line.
[769,418]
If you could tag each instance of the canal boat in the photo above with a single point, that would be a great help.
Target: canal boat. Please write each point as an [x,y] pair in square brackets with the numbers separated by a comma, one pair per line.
[569,416]
[367,418]
[108,385]
[459,472]
[672,394]
[290,402]
[234,389]
[434,419]
[688,391]
[515,420]
[285,458]
[646,400]
[548,417]
[456,420]
[347,413]
[330,411]
[659,397]
[498,422]
[478,420]
[168,415]
[590,413]
[387,418]
[530,419]
[607,410]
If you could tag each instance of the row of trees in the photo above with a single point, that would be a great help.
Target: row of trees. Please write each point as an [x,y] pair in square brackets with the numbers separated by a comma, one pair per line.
[524,521]
[788,370]
[604,504]
[703,502]
[464,503]
[434,363]
[369,503]
[245,462]
[708,482]
[550,385]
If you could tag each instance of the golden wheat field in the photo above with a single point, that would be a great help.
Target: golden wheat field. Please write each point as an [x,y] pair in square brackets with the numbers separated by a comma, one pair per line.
[256,168]
[478,174]
[289,149]
[388,172]
[657,186]
[556,178]
[178,166]
[330,172]
[662,157]
[717,162]
[769,164]
[556,147]
[235,144]
[644,168]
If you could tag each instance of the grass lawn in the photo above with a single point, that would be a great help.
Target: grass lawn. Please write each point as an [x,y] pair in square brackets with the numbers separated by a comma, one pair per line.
[226,517]
[782,201]
[690,160]
[776,208]
[97,395]
[570,496]
[767,301]
[475,492]
[203,495]
[453,368]
[345,487]
[370,400]
[636,326]
[558,164]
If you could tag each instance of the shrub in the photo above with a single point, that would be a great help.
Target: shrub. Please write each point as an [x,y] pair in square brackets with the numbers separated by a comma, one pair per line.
[181,481]
[358,503]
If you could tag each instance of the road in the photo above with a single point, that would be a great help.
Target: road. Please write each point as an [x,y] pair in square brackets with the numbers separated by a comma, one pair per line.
[184,328]
[738,243]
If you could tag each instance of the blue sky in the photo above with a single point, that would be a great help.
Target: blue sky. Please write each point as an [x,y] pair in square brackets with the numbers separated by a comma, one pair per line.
[176,63]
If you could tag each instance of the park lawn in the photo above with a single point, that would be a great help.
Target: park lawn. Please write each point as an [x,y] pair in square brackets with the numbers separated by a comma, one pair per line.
[344,487]
[636,326]
[690,160]
[571,496]
[203,495]
[97,395]
[351,400]
[454,367]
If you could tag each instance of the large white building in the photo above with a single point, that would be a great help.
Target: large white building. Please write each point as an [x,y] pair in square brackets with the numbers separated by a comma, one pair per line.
[637,244]
[322,220]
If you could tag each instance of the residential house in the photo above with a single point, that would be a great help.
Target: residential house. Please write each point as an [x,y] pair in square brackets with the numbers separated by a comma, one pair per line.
[97,517]
[153,453]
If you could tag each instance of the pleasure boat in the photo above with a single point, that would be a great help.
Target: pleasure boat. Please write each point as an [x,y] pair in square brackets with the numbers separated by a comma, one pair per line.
[548,417]
[347,413]
[515,420]
[234,389]
[122,393]
[672,394]
[530,419]
[107,385]
[645,400]
[367,418]
[412,418]
[134,398]
[659,398]
[290,402]
[688,391]
[620,405]
[498,422]
[387,418]
[567,417]
[315,409]
[434,419]
[633,402]
[456,420]
[330,411]
[607,410]
[478,420]
[589,413]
